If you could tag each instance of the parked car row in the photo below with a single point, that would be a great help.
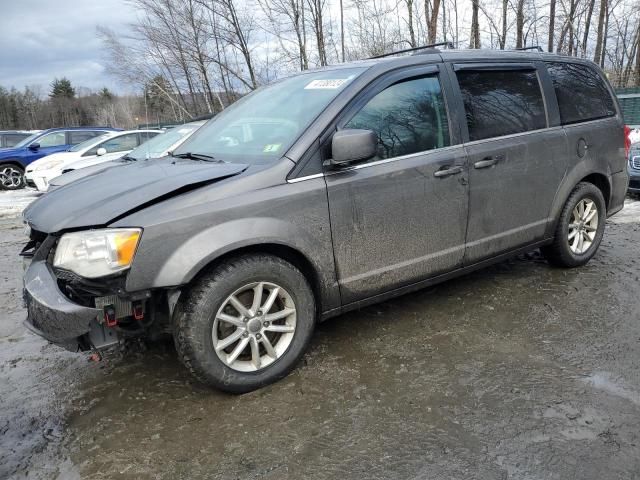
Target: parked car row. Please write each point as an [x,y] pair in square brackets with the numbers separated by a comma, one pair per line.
[14,161]
[157,147]
[39,159]
[106,147]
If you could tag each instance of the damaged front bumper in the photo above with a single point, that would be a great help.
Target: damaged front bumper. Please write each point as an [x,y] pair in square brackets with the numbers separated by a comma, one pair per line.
[50,313]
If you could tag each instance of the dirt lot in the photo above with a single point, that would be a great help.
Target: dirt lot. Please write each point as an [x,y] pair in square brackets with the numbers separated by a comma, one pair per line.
[518,371]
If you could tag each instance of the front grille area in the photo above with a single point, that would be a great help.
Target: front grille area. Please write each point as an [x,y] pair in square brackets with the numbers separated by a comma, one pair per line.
[635,162]
[83,291]
[36,240]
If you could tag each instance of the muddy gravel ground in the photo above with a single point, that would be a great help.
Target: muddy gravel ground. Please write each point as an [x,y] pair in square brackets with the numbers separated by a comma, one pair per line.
[519,371]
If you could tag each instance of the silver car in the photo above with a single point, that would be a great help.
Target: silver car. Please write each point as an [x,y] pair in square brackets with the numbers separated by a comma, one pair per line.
[157,147]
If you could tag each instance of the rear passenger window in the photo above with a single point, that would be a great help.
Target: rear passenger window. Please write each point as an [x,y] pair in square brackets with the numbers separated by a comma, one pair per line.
[79,137]
[500,103]
[581,92]
[408,117]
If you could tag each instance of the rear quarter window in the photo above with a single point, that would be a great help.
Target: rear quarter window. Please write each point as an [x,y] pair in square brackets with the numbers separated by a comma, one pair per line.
[581,92]
[11,140]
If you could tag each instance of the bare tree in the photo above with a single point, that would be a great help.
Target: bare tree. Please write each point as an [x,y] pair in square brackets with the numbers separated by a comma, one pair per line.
[412,33]
[287,24]
[342,29]
[519,23]
[474,41]
[597,56]
[317,13]
[552,23]
[587,26]
[431,12]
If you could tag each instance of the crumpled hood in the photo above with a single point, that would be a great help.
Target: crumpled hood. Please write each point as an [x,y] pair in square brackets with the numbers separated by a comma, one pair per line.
[99,199]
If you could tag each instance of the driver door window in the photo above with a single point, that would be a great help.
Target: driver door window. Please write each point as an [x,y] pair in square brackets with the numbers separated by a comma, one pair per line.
[408,117]
[54,139]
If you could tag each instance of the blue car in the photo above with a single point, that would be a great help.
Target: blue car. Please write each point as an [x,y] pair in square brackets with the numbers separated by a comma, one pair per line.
[13,161]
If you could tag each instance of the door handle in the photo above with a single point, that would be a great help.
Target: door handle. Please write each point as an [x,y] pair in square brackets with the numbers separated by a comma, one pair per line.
[488,162]
[447,171]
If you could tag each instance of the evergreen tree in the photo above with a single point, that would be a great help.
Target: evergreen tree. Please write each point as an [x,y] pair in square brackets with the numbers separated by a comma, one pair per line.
[61,88]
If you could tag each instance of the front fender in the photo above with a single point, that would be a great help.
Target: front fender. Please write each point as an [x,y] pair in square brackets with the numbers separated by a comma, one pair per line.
[200,250]
[195,253]
[184,234]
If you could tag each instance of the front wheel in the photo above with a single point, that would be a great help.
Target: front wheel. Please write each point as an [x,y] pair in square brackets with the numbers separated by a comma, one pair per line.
[580,228]
[246,323]
[11,177]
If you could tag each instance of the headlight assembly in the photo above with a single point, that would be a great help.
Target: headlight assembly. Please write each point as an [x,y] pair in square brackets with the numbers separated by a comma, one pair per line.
[97,253]
[48,165]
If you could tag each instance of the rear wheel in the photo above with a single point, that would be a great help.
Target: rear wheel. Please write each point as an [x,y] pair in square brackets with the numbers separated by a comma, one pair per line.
[580,228]
[245,324]
[11,177]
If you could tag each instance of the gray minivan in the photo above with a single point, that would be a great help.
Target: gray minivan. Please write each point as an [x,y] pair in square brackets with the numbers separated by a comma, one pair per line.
[325,192]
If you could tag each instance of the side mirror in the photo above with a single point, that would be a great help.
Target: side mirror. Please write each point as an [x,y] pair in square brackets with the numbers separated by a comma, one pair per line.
[353,145]
[34,146]
[101,151]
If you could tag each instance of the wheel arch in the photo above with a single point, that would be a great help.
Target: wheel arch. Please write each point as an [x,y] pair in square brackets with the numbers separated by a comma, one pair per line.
[175,261]
[599,179]
[285,252]
[15,162]
[602,182]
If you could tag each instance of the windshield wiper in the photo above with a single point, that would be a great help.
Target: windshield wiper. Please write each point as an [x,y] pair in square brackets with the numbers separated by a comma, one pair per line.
[197,156]
[127,158]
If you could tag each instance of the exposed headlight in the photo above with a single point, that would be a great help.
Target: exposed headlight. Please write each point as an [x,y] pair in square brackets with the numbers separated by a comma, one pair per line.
[48,165]
[96,253]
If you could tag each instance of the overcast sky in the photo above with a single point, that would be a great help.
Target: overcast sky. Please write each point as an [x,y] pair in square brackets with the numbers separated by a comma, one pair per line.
[44,39]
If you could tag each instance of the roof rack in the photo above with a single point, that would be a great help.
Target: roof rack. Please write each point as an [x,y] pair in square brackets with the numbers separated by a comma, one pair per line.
[535,47]
[414,49]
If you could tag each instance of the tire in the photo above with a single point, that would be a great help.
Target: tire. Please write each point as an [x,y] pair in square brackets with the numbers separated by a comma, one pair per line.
[11,177]
[565,252]
[198,324]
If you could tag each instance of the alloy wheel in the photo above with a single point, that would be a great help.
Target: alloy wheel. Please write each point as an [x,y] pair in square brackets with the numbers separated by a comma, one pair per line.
[254,326]
[10,177]
[583,226]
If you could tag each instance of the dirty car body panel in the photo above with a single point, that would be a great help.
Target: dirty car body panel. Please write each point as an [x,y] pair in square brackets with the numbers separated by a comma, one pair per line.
[361,232]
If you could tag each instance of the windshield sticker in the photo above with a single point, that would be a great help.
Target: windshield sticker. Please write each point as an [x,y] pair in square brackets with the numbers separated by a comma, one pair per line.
[326,84]
[271,148]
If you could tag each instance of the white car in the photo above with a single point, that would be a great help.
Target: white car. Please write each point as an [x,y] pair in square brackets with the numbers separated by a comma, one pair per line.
[100,149]
[157,147]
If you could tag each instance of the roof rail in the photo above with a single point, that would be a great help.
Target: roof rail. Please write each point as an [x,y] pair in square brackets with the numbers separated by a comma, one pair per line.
[535,47]
[414,49]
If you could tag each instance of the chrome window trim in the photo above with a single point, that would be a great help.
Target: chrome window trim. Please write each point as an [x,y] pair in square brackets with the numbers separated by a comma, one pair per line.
[306,177]
[395,159]
[514,135]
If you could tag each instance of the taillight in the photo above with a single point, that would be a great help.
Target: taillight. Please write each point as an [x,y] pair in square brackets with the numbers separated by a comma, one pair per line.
[627,141]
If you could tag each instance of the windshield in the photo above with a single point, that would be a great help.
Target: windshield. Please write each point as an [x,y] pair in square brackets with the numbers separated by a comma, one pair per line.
[27,140]
[158,145]
[263,125]
[88,143]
